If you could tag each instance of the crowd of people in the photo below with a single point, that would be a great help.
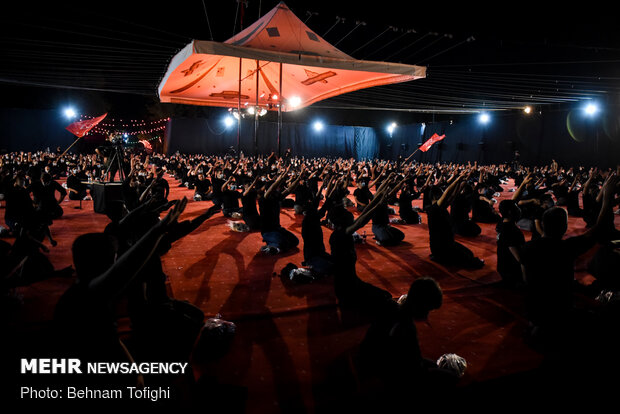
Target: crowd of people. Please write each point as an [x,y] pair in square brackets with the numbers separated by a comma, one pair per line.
[339,196]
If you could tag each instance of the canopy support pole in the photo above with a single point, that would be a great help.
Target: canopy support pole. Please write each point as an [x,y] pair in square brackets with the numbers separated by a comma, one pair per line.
[280,112]
[239,113]
[256,110]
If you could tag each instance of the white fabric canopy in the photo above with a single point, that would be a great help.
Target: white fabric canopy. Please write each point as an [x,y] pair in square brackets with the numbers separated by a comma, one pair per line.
[295,67]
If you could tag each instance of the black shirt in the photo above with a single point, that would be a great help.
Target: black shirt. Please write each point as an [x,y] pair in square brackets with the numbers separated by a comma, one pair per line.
[363,195]
[270,212]
[19,205]
[45,195]
[249,204]
[549,271]
[202,186]
[230,199]
[312,234]
[439,228]
[509,235]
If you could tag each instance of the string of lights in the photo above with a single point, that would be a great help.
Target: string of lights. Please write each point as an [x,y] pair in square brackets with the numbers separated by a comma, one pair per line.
[130,127]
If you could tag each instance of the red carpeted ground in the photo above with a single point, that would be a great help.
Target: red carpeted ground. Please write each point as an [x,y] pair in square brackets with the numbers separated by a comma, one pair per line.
[294,350]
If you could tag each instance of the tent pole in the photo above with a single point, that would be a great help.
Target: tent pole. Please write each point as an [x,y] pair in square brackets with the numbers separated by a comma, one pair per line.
[256,112]
[239,113]
[280,112]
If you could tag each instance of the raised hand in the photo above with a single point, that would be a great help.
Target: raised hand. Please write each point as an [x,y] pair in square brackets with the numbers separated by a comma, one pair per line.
[173,215]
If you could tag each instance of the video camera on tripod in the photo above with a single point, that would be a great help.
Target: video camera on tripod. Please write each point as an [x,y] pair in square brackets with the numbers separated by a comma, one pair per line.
[114,153]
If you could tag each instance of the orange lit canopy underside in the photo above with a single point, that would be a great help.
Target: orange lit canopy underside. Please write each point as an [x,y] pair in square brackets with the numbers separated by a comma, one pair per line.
[278,46]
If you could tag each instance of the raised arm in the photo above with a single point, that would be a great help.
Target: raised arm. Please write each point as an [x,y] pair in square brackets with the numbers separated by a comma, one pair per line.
[517,195]
[379,198]
[447,194]
[608,190]
[111,283]
[247,191]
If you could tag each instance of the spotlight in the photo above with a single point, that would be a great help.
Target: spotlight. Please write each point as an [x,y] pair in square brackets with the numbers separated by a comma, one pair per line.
[527,109]
[591,109]
[274,97]
[318,126]
[229,121]
[125,135]
[251,110]
[391,128]
[484,118]
[295,101]
[70,113]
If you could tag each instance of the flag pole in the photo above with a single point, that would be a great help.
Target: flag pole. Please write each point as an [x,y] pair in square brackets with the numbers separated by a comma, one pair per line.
[407,159]
[62,155]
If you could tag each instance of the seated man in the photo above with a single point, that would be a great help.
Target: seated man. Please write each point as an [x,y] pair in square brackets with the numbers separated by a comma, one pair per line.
[76,189]
[444,249]
[84,318]
[277,239]
[548,269]
[391,350]
[509,240]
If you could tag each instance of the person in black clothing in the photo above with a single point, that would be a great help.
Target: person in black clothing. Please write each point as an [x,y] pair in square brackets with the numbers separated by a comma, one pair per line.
[277,239]
[509,240]
[548,270]
[460,210]
[217,181]
[19,205]
[362,194]
[315,255]
[84,317]
[230,199]
[385,234]
[76,189]
[444,249]
[303,195]
[202,188]
[482,206]
[161,188]
[44,194]
[248,205]
[350,290]
[391,349]
[110,152]
[162,325]
[405,209]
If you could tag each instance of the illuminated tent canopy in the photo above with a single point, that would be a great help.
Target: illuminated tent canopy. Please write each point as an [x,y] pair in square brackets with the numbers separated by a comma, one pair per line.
[277,61]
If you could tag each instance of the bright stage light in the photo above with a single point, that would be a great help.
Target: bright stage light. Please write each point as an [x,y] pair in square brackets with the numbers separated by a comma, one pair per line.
[229,121]
[391,128]
[70,113]
[294,101]
[484,118]
[318,126]
[125,135]
[591,109]
[527,109]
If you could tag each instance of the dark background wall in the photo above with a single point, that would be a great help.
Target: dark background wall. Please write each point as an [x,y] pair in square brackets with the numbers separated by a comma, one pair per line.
[567,136]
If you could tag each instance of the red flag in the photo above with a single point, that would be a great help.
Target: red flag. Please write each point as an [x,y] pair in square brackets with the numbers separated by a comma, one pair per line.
[81,128]
[147,145]
[429,143]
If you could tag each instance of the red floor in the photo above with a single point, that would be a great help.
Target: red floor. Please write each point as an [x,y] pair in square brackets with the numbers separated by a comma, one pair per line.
[294,350]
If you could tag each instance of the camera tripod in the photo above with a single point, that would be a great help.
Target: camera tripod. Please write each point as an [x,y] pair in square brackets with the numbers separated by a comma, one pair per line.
[117,157]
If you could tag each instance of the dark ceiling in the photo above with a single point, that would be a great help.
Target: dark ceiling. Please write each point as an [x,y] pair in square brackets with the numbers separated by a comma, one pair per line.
[494,57]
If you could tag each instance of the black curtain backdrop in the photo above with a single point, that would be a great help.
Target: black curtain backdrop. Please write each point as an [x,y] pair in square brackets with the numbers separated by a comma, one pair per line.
[568,136]
[210,136]
[33,130]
